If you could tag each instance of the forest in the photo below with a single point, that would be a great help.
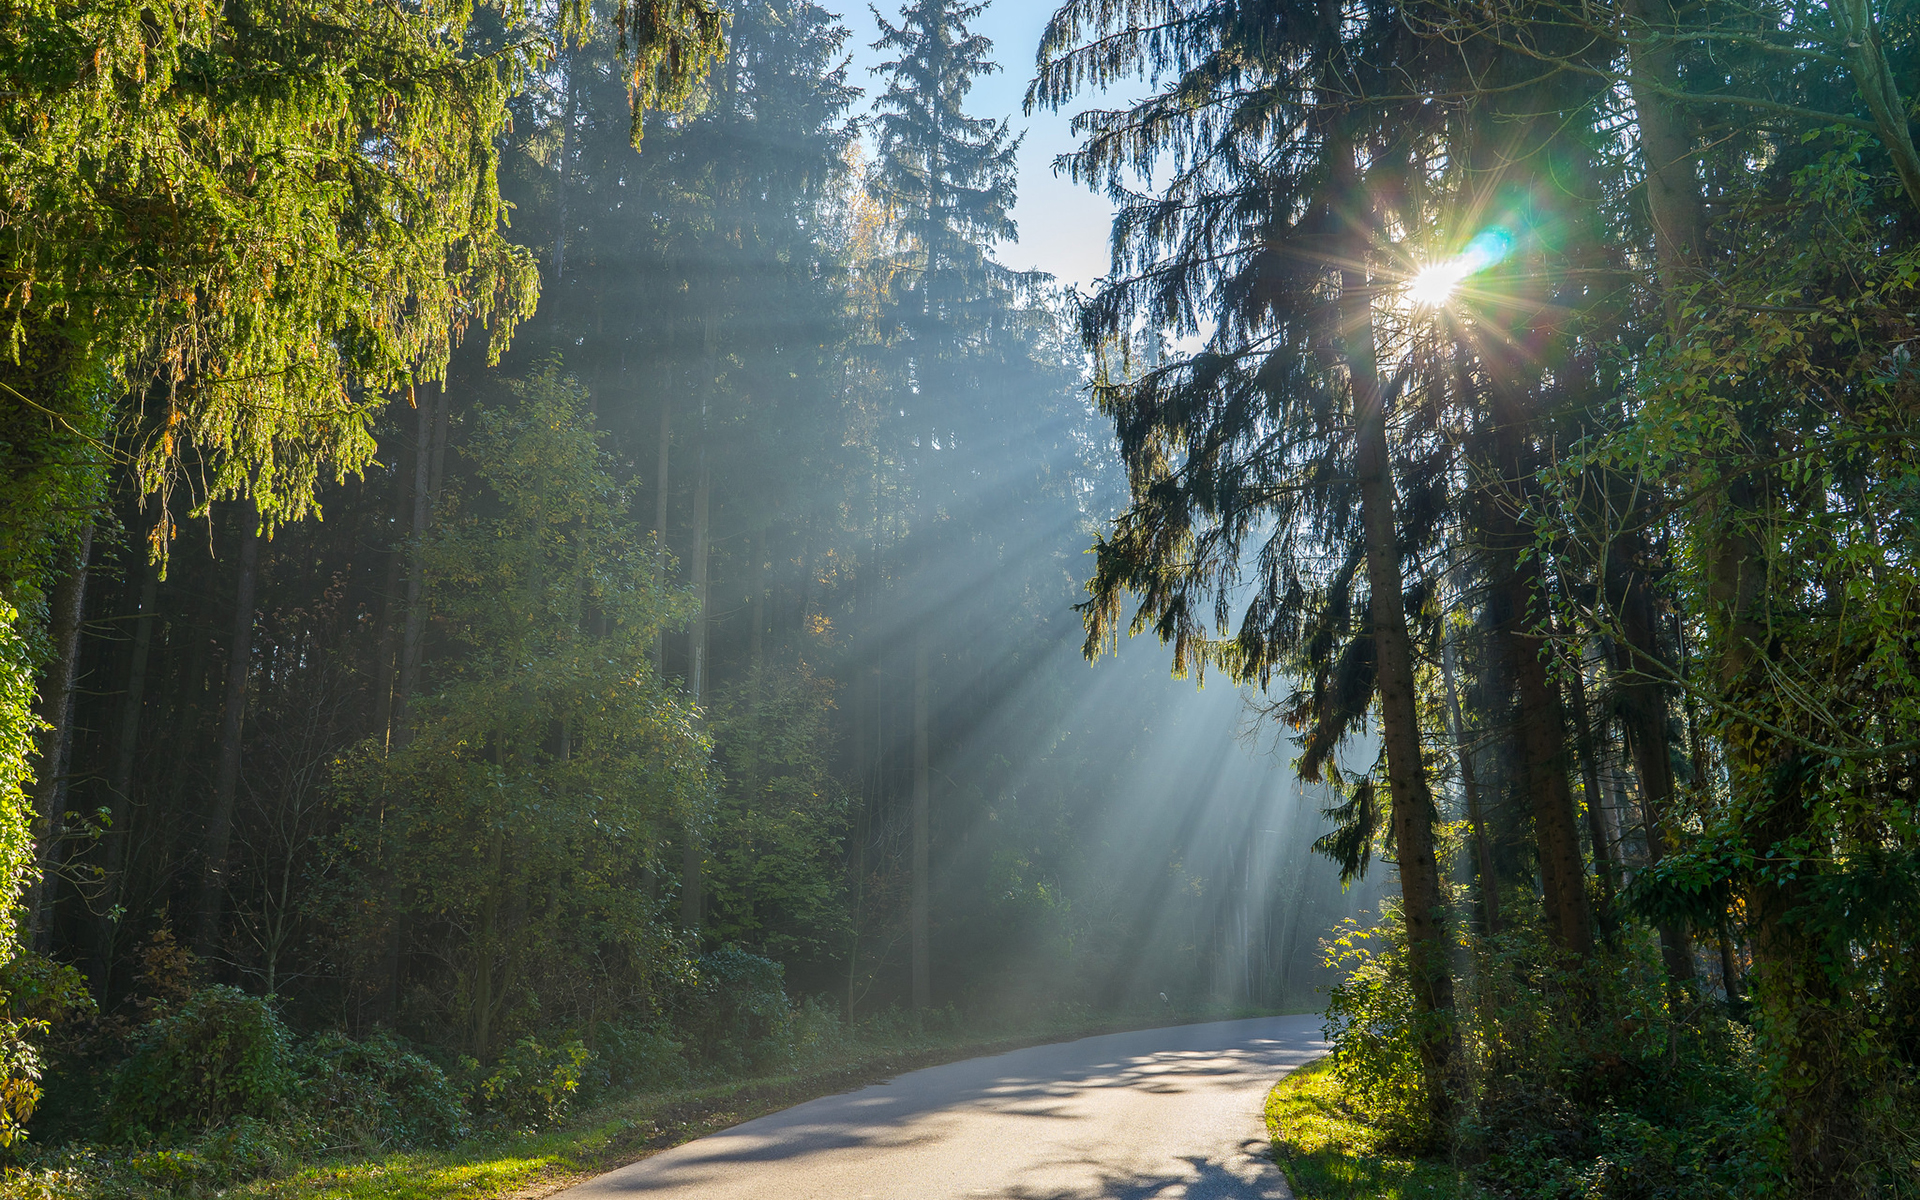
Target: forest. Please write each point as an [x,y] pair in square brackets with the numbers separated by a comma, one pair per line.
[545,553]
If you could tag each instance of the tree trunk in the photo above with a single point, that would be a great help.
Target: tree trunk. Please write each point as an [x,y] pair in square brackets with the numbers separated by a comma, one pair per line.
[660,523]
[692,886]
[1679,223]
[126,749]
[566,168]
[68,608]
[1411,801]
[1482,850]
[226,772]
[1667,150]
[413,635]
[1643,705]
[922,972]
[386,668]
[1520,601]
[1583,737]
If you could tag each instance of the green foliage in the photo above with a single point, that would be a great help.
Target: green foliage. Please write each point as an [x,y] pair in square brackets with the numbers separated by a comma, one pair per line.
[1370,1024]
[533,1085]
[523,819]
[222,1056]
[17,728]
[737,1014]
[325,177]
[639,1056]
[379,1093]
[1585,1080]
[773,871]
[1330,1153]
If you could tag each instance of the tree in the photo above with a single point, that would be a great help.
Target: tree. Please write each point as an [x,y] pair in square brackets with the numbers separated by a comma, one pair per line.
[549,762]
[1266,243]
[948,180]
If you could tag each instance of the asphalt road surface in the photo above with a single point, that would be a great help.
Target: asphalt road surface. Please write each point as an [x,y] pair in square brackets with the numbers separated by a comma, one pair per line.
[1161,1114]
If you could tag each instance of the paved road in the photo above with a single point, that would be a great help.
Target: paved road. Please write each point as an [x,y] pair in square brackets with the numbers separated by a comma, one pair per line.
[1162,1114]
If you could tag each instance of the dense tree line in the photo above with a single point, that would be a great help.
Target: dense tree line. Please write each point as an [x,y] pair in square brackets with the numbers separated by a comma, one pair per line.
[1551,413]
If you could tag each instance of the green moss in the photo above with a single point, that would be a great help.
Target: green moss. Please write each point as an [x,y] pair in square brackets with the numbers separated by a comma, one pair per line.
[1328,1154]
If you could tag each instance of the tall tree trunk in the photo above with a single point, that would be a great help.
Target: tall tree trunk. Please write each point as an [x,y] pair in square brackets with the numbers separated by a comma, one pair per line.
[413,634]
[1584,746]
[566,166]
[386,666]
[1643,710]
[1678,213]
[1482,849]
[68,609]
[483,991]
[692,886]
[660,495]
[1800,1017]
[226,771]
[1520,600]
[922,970]
[126,749]
[1407,787]
[1667,149]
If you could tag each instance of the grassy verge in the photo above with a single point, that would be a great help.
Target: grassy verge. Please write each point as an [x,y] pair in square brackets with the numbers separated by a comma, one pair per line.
[527,1166]
[1328,1154]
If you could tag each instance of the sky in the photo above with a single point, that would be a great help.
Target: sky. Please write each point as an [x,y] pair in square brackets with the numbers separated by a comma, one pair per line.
[1063,226]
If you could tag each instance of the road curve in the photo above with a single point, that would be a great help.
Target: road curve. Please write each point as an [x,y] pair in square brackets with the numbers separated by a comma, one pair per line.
[1159,1114]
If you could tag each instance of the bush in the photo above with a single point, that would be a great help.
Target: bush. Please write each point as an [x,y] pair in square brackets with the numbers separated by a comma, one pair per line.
[817,1031]
[531,1085]
[222,1056]
[737,1014]
[1375,1054]
[380,1093]
[637,1058]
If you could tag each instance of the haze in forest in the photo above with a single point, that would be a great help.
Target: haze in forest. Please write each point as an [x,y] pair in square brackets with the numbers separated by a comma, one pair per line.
[557,557]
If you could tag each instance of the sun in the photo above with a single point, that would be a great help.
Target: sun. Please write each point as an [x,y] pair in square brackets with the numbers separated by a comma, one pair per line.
[1433,284]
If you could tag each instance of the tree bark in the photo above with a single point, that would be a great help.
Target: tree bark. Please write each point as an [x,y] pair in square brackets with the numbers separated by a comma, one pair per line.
[692,885]
[226,772]
[1603,866]
[922,970]
[386,666]
[660,522]
[413,634]
[1520,598]
[126,749]
[1407,787]
[68,608]
[1643,705]
[1667,150]
[1482,850]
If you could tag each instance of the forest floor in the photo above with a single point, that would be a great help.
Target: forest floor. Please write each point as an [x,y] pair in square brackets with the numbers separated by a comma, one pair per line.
[529,1166]
[1329,1154]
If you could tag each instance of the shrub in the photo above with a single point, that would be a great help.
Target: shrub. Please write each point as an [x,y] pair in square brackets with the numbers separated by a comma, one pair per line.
[737,1014]
[380,1092]
[817,1030]
[532,1085]
[637,1058]
[223,1055]
[1375,1054]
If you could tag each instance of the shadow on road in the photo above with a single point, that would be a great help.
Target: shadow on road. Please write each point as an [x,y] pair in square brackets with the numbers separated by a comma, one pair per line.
[1077,1121]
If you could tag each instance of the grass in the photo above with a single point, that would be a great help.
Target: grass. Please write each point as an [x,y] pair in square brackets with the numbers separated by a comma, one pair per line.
[1330,1154]
[527,1166]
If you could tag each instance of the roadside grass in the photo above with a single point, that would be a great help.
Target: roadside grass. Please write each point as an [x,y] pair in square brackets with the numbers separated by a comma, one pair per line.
[611,1135]
[1328,1154]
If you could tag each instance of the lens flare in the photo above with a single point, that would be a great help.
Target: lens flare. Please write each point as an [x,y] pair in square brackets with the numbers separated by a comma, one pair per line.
[1431,287]
[1434,284]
